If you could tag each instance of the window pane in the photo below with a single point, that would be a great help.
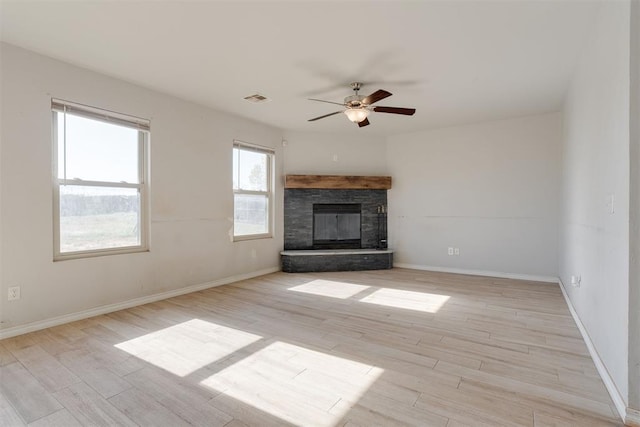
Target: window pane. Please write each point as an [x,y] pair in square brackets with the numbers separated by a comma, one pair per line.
[98,218]
[252,170]
[250,214]
[97,151]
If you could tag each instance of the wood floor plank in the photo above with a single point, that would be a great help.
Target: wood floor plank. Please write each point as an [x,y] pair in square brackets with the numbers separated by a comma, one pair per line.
[390,347]
[144,410]
[459,358]
[474,406]
[246,413]
[18,342]
[419,381]
[183,400]
[584,385]
[93,372]
[520,386]
[90,408]
[62,418]
[349,387]
[270,384]
[579,364]
[68,332]
[280,401]
[548,377]
[390,409]
[557,409]
[9,417]
[108,356]
[45,368]
[357,415]
[6,356]
[542,419]
[25,393]
[53,343]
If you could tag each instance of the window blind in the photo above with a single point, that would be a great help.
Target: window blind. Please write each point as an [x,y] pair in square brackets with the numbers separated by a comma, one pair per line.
[100,114]
[253,147]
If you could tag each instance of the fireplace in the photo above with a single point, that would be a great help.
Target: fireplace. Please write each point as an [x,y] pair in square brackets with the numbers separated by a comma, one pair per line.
[301,225]
[336,226]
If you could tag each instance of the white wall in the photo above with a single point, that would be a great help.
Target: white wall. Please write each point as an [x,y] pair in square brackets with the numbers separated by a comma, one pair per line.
[191,198]
[594,240]
[355,154]
[490,189]
[634,212]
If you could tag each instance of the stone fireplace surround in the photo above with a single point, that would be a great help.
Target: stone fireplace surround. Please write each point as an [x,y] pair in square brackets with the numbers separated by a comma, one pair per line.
[299,255]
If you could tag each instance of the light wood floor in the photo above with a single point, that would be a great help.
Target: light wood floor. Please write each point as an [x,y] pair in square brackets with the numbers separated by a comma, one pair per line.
[393,347]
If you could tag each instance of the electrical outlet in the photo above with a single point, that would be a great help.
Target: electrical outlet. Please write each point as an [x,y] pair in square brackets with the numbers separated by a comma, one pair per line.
[456,251]
[450,251]
[14,293]
[611,204]
[575,281]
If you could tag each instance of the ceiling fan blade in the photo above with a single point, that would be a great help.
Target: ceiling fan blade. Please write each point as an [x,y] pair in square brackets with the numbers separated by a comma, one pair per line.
[365,122]
[322,117]
[395,110]
[322,100]
[376,96]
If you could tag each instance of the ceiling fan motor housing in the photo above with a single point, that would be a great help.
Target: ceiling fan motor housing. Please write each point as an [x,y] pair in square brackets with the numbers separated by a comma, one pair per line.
[354,101]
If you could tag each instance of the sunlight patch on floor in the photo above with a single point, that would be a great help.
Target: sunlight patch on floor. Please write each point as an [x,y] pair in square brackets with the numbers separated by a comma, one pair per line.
[419,301]
[329,288]
[295,384]
[188,346]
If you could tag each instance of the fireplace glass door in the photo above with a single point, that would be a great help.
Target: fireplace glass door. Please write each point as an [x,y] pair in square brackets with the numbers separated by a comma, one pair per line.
[336,226]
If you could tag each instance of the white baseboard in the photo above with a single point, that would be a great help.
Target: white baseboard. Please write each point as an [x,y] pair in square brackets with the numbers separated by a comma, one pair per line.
[617,398]
[499,274]
[110,308]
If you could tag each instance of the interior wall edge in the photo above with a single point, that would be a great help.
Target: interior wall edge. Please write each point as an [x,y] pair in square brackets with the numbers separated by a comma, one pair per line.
[634,212]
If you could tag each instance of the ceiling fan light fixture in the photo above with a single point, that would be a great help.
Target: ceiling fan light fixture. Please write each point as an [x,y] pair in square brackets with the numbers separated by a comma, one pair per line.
[356,115]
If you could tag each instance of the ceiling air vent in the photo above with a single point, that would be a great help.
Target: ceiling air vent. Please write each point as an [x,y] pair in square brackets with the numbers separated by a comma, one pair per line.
[256,98]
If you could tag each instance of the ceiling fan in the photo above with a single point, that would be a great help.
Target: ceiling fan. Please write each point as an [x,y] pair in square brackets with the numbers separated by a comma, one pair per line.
[358,107]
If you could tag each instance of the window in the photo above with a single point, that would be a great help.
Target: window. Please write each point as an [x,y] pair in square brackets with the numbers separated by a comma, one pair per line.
[99,181]
[252,191]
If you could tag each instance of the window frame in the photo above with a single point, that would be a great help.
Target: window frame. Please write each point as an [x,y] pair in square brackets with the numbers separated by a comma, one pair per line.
[93,113]
[269,193]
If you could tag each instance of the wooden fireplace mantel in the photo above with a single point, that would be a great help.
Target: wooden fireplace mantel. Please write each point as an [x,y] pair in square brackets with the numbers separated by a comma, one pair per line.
[341,182]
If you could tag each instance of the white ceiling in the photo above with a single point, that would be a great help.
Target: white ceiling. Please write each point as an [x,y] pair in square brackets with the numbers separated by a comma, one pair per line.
[455,61]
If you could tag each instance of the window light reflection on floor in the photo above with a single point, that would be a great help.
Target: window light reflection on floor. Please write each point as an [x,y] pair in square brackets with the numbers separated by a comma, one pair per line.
[187,347]
[329,288]
[295,384]
[419,301]
[398,298]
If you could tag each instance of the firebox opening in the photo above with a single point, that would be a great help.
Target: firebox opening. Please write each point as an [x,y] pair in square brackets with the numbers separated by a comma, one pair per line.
[336,226]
